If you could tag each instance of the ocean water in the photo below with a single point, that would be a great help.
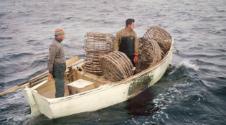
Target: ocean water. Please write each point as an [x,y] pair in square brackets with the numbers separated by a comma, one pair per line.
[192,92]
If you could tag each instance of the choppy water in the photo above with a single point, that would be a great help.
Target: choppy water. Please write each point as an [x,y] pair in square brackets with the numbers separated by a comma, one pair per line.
[193,91]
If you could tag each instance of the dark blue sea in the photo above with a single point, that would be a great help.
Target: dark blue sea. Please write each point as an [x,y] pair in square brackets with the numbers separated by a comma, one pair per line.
[192,92]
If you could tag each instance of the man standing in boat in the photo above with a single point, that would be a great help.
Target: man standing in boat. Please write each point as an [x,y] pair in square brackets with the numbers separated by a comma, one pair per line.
[126,41]
[56,62]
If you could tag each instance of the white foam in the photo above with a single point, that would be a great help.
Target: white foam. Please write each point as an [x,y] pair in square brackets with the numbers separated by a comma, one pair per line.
[164,100]
[189,64]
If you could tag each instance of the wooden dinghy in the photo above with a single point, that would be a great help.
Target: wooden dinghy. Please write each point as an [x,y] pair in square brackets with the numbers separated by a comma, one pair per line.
[101,94]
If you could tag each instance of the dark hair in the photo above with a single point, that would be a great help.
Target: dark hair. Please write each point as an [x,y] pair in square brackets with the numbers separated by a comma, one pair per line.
[129,21]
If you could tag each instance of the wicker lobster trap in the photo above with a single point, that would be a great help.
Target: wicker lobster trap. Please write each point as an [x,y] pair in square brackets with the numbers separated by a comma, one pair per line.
[150,53]
[96,45]
[116,66]
[163,38]
[153,46]
[98,42]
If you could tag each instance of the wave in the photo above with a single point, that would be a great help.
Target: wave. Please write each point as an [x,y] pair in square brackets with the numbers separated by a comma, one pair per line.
[189,64]
[207,55]
[209,63]
[180,84]
[17,55]
[13,110]
[6,38]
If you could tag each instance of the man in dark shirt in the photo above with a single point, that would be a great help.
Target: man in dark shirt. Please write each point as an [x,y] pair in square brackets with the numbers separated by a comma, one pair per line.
[56,62]
[126,41]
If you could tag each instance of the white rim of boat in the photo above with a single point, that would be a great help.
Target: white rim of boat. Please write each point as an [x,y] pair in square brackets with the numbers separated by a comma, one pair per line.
[102,87]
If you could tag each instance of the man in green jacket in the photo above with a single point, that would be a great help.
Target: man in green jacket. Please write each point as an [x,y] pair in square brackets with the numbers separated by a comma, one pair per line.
[56,62]
[126,41]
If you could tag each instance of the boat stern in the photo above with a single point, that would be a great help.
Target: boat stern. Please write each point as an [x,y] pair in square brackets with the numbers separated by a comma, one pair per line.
[31,101]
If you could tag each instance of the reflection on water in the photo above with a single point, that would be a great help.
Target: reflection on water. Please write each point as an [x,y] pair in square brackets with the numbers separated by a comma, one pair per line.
[142,104]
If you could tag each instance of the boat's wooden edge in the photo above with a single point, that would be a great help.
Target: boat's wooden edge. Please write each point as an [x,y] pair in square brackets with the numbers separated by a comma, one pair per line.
[112,84]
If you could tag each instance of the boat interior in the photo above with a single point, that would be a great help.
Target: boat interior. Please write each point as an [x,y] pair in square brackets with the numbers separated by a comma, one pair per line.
[73,73]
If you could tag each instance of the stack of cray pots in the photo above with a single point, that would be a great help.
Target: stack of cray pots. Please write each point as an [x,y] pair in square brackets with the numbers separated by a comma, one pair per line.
[153,46]
[96,45]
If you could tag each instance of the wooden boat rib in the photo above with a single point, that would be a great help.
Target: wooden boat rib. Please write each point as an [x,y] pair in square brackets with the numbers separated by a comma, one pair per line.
[106,93]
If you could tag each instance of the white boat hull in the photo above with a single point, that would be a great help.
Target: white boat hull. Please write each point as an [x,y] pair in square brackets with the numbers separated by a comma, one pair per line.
[99,98]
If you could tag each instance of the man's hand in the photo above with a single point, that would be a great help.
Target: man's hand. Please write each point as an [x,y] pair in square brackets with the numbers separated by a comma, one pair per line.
[135,59]
[50,76]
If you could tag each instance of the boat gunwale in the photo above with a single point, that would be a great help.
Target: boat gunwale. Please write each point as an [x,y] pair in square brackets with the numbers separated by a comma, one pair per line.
[105,86]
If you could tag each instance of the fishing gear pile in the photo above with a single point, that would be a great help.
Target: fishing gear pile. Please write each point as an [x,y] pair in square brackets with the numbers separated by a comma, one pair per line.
[163,38]
[96,45]
[116,66]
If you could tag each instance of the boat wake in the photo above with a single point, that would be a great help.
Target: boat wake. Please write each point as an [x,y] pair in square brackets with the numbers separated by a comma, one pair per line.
[174,88]
[188,64]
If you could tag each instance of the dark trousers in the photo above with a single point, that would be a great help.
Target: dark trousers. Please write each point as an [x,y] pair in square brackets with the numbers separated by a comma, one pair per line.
[131,57]
[58,75]
[127,46]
